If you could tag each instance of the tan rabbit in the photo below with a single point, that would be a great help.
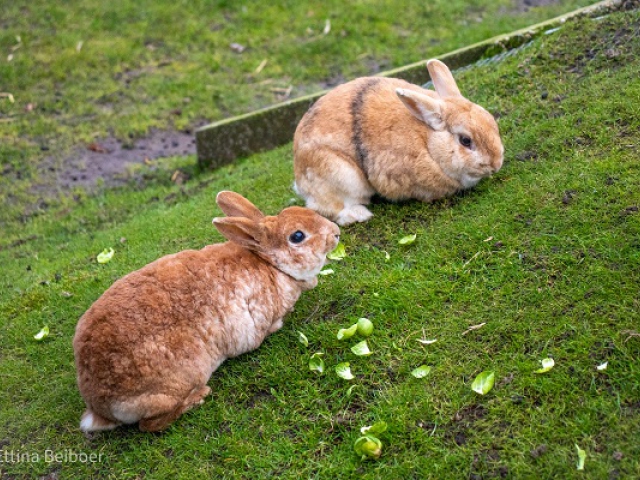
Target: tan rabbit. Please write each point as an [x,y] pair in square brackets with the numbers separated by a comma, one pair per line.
[387,136]
[146,348]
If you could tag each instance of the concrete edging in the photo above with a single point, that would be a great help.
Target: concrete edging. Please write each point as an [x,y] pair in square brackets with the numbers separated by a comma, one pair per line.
[222,142]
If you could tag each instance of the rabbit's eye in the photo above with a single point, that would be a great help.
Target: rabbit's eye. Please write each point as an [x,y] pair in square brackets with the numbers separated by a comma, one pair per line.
[297,236]
[465,141]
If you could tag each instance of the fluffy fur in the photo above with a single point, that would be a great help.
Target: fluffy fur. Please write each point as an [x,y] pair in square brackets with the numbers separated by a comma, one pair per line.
[387,136]
[145,350]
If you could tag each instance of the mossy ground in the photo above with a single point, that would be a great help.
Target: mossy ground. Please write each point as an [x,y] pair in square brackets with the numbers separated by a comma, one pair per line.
[546,253]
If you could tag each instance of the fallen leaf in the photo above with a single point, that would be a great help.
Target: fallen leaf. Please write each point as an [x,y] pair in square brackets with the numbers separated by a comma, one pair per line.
[96,147]
[179,177]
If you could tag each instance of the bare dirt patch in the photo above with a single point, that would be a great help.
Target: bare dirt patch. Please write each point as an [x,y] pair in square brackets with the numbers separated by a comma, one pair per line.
[521,6]
[109,160]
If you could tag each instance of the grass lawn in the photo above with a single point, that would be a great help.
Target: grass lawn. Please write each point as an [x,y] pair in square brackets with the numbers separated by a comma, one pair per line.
[84,71]
[546,254]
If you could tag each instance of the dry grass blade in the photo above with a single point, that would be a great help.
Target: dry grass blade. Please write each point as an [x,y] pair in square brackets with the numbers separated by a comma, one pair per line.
[630,334]
[474,327]
[261,66]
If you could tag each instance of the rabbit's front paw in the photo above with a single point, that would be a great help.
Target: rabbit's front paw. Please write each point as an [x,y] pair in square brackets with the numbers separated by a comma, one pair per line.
[355,213]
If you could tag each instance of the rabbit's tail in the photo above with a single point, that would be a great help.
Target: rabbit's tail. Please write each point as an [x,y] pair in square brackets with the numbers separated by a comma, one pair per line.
[92,422]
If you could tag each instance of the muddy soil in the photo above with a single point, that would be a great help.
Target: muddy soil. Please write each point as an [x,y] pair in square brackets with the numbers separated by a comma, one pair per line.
[525,5]
[110,159]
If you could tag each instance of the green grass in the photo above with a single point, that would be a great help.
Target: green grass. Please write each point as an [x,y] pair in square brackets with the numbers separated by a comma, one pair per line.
[559,278]
[92,69]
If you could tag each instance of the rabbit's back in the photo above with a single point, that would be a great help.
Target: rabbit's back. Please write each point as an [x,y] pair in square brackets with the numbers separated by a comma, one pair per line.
[169,325]
[359,119]
[365,124]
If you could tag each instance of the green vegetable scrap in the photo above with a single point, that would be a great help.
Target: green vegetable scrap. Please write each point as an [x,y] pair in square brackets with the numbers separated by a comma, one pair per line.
[316,363]
[375,429]
[483,383]
[547,364]
[337,253]
[105,255]
[421,371]
[368,447]
[302,338]
[343,371]
[365,327]
[408,240]
[42,334]
[361,349]
[582,456]
[345,333]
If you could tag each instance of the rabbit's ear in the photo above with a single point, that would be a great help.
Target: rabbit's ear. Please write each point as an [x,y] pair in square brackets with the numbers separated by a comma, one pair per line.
[240,230]
[235,205]
[442,79]
[423,107]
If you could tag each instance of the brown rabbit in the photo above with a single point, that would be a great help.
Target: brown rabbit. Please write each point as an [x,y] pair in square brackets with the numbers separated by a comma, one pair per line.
[146,348]
[387,136]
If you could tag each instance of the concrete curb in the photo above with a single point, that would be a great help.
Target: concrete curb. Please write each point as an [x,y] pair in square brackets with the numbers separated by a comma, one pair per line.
[222,142]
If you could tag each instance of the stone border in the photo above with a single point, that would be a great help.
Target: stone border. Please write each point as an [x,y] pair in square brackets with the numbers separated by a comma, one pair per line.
[222,142]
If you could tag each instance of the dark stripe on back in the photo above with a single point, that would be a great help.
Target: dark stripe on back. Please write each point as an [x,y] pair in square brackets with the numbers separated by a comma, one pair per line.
[307,119]
[356,115]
